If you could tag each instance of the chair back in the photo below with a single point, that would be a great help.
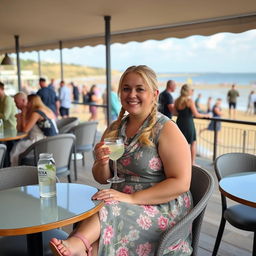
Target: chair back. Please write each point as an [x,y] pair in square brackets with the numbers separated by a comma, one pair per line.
[201,188]
[17,176]
[65,124]
[85,135]
[61,146]
[231,163]
[2,154]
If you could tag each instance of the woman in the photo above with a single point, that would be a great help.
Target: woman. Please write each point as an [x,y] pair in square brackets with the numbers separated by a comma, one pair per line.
[186,109]
[39,121]
[157,176]
[94,98]
[216,113]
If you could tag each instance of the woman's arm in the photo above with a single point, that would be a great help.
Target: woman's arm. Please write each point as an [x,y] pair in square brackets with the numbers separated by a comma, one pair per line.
[100,169]
[217,110]
[195,113]
[27,125]
[175,155]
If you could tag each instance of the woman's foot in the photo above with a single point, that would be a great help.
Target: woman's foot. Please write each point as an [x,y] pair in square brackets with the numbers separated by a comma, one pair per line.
[75,245]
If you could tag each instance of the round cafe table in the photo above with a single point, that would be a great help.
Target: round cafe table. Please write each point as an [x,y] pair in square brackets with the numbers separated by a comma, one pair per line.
[10,134]
[22,211]
[240,187]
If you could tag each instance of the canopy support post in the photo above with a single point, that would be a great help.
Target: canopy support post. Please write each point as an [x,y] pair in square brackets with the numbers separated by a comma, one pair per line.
[17,47]
[108,66]
[61,63]
[39,64]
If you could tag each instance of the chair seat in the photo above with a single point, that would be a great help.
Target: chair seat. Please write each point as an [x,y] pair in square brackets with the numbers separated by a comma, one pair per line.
[28,160]
[242,217]
[19,243]
[84,148]
[62,171]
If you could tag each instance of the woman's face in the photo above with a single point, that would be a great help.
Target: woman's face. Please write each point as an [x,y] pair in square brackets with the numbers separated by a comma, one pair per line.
[136,96]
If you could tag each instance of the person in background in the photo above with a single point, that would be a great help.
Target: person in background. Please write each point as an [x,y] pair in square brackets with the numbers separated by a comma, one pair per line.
[21,101]
[8,109]
[39,121]
[197,103]
[75,91]
[155,195]
[85,95]
[65,99]
[76,96]
[52,84]
[209,105]
[186,110]
[216,113]
[250,104]
[232,101]
[254,102]
[166,102]
[95,99]
[115,104]
[48,96]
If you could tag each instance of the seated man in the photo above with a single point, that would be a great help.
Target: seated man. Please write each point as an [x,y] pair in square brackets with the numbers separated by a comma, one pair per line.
[7,109]
[21,101]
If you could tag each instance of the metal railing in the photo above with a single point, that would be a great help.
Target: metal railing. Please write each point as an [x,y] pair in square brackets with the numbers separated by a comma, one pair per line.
[233,136]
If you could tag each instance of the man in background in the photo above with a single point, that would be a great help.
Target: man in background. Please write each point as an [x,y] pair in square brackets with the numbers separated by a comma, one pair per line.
[232,100]
[48,96]
[21,101]
[7,109]
[166,102]
[65,99]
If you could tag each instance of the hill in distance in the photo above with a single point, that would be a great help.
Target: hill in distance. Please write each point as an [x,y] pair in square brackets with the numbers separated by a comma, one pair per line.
[53,70]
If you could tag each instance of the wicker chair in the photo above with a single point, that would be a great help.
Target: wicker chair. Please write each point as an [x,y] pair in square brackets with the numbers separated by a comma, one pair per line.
[17,245]
[239,215]
[201,187]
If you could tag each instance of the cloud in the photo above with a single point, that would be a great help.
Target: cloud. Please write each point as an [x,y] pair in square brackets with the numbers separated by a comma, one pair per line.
[213,42]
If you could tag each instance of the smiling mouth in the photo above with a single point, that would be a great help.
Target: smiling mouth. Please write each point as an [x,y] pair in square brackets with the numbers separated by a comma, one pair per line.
[133,103]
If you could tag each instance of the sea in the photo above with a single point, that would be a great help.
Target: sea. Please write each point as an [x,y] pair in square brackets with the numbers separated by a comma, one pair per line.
[204,83]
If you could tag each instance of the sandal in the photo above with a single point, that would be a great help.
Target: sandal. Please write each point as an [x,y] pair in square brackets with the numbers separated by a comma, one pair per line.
[88,247]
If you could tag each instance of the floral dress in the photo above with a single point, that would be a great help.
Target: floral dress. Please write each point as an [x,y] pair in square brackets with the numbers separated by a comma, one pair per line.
[130,229]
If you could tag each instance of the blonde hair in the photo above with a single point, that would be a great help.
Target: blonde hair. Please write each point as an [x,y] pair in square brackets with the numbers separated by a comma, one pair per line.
[181,101]
[149,76]
[36,103]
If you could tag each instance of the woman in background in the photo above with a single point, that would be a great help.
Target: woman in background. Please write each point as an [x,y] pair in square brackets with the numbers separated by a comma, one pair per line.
[38,121]
[186,110]
[94,98]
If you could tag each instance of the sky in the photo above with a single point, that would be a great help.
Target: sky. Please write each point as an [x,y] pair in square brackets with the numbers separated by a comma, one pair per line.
[222,52]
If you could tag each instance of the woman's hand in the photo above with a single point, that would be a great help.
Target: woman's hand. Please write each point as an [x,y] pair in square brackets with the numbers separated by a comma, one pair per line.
[101,153]
[108,195]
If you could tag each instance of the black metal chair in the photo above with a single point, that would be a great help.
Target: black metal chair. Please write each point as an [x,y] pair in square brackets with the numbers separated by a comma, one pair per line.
[239,215]
[201,187]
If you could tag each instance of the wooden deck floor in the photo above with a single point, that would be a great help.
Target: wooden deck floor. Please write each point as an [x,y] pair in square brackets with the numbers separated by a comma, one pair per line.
[235,242]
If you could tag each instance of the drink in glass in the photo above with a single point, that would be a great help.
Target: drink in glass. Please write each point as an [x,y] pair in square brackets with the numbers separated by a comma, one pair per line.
[116,147]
